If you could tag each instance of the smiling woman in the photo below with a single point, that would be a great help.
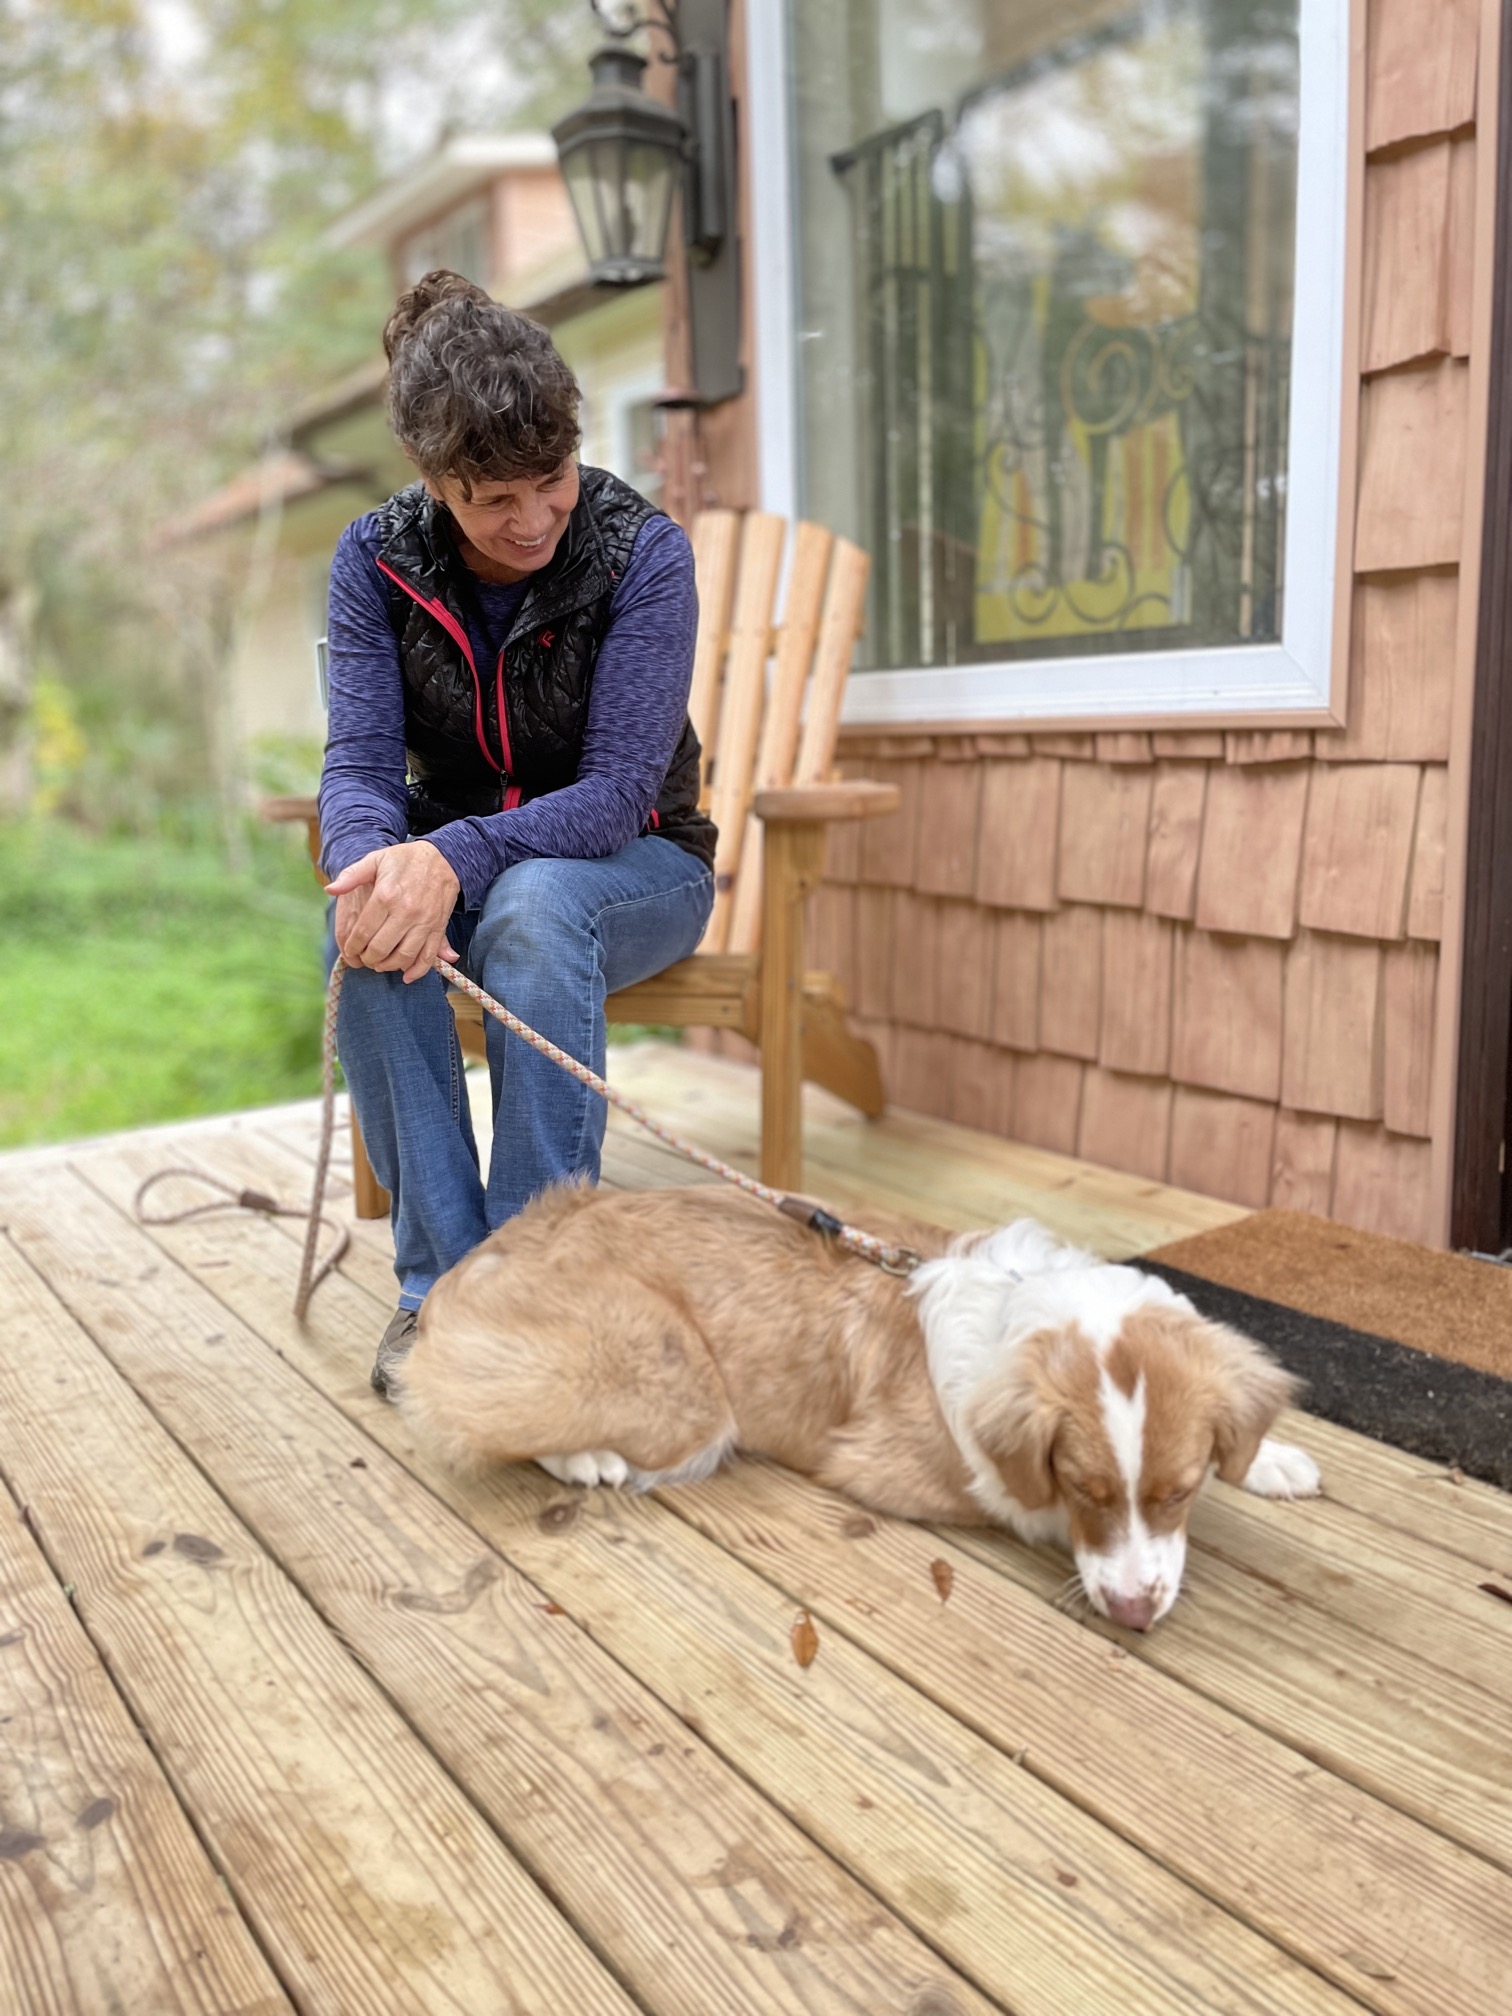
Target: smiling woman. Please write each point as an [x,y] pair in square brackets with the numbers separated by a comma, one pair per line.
[511,779]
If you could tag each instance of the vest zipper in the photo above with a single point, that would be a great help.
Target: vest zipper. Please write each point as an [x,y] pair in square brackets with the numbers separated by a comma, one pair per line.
[460,638]
[511,791]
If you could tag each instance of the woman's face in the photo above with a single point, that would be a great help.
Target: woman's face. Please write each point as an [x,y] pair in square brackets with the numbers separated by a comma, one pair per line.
[516,525]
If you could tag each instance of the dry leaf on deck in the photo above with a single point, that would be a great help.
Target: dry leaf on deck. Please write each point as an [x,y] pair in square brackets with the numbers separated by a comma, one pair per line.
[805,1639]
[944,1578]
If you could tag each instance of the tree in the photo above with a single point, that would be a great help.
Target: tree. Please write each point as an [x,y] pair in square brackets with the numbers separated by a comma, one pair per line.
[167,172]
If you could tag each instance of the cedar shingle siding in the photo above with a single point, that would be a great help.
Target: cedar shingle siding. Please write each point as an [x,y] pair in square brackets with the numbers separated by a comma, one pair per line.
[1212,957]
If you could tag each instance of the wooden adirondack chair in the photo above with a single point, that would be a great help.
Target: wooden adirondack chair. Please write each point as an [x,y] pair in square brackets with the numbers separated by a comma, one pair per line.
[769,745]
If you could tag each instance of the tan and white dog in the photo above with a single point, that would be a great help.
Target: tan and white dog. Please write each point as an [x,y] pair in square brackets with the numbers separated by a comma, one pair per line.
[639,1339]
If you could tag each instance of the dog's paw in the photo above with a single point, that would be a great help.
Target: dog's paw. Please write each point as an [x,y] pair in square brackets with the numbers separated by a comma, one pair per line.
[1281,1470]
[588,1467]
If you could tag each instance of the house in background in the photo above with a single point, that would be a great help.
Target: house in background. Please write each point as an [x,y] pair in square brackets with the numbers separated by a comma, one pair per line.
[495,209]
[1148,350]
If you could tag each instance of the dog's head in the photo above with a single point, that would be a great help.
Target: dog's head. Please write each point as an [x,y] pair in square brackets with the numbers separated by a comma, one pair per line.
[1092,1403]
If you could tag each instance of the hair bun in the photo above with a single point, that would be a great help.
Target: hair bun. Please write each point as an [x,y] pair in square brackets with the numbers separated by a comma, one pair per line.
[434,290]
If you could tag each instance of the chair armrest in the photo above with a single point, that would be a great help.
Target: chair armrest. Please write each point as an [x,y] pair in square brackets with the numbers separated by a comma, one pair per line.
[854,798]
[282,811]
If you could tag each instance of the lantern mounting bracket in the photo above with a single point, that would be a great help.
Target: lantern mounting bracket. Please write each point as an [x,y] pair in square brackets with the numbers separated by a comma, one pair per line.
[621,22]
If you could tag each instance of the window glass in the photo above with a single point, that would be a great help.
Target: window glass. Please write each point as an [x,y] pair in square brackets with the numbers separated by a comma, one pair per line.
[1045,316]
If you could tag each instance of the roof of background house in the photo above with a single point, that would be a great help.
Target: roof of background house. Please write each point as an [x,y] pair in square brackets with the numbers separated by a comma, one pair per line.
[455,168]
[277,480]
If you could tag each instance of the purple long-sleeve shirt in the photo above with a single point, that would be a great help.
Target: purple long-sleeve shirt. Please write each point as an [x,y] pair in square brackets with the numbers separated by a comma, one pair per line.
[636,708]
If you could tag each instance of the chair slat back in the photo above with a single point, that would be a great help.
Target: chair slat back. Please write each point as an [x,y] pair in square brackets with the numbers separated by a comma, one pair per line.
[765,731]
[784,713]
[740,705]
[716,544]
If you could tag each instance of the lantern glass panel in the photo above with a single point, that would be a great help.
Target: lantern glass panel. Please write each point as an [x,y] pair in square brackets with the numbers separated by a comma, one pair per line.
[648,197]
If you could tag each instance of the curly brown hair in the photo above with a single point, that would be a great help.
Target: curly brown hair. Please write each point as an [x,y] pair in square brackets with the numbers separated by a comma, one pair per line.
[476,391]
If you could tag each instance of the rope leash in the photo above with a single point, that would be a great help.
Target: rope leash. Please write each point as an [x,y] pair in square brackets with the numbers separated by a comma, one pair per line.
[880,1252]
[232,1199]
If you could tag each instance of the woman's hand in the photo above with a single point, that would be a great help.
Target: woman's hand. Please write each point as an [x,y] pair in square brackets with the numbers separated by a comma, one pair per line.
[392,907]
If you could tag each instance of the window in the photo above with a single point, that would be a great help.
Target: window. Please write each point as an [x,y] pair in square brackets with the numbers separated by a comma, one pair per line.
[1051,368]
[458,241]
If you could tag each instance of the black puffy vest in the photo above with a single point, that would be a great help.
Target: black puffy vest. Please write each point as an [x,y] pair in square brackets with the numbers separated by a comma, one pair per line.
[465,761]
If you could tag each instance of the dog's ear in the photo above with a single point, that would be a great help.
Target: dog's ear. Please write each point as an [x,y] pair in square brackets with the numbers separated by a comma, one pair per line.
[1015,1418]
[1251,1390]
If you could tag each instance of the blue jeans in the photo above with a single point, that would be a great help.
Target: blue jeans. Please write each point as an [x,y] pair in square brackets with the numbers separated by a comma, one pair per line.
[551,940]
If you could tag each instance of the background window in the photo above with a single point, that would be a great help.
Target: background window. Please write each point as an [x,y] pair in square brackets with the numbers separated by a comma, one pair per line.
[1049,385]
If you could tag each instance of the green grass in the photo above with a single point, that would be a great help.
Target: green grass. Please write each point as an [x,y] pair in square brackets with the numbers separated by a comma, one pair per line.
[144,981]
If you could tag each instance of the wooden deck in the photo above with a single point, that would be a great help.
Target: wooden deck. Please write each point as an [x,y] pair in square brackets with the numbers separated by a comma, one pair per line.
[291,1721]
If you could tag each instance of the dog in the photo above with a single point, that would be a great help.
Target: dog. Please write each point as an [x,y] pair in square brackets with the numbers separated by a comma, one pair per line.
[639,1339]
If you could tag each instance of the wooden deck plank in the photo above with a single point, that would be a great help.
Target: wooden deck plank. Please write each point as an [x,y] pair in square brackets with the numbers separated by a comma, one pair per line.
[1387,1486]
[1395,1914]
[907,1162]
[877,1774]
[932,1169]
[703,1893]
[1433,1504]
[371,1882]
[107,1900]
[1314,1824]
[1344,1694]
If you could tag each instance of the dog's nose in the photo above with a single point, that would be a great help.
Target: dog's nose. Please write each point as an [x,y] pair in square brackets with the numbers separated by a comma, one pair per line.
[1137,1613]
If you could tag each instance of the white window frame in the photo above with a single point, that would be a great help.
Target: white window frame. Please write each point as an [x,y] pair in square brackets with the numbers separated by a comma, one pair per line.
[1293,678]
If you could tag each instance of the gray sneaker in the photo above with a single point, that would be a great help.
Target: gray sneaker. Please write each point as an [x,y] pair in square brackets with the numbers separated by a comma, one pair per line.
[393,1349]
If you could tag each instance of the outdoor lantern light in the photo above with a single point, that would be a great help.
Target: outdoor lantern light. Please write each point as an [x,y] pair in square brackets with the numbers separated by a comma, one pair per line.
[620,153]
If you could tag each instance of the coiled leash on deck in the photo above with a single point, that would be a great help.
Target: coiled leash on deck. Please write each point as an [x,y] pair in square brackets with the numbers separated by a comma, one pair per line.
[890,1258]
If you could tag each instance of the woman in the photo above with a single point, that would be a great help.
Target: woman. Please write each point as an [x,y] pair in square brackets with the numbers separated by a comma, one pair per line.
[510,779]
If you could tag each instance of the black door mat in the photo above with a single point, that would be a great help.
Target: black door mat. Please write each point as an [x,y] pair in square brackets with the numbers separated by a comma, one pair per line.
[1434,1407]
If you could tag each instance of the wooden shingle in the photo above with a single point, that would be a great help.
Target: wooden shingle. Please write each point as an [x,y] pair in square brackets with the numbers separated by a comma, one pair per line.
[1071,982]
[1267,745]
[1222,1147]
[1357,848]
[1425,896]
[1420,69]
[1104,833]
[915,959]
[966,947]
[921,1067]
[1124,748]
[888,845]
[1047,1102]
[1175,839]
[1410,984]
[1003,745]
[1412,467]
[1075,748]
[1020,827]
[1125,1123]
[1401,672]
[1016,986]
[1188,745]
[830,928]
[1381,1184]
[842,850]
[1252,850]
[874,943]
[1405,315]
[1460,275]
[1135,1032]
[981,1086]
[1226,1022]
[950,797]
[1303,1162]
[1331,1048]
